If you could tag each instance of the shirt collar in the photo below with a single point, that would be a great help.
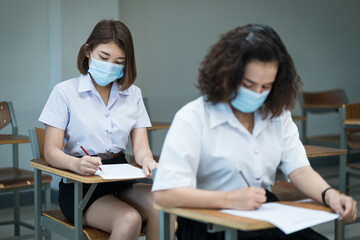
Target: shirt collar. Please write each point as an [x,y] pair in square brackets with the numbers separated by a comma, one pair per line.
[85,85]
[221,113]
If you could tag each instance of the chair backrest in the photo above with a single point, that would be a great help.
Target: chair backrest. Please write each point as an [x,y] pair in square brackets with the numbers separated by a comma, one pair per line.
[352,111]
[7,116]
[334,96]
[37,139]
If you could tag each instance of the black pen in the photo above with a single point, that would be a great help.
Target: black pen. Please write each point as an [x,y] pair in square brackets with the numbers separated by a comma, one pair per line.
[243,176]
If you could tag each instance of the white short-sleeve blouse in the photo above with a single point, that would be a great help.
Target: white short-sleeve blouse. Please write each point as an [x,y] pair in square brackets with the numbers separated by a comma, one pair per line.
[206,147]
[76,107]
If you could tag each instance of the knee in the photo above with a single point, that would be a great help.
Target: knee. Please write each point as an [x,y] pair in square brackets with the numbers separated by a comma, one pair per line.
[130,219]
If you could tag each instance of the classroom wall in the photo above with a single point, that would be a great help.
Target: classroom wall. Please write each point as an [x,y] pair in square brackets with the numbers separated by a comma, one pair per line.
[172,37]
[24,48]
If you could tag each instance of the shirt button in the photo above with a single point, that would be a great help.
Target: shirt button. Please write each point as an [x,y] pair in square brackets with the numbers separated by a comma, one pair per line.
[256,151]
[108,149]
[258,178]
[107,114]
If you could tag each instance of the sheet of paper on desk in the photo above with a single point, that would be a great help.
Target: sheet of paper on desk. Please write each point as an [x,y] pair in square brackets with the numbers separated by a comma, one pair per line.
[287,218]
[120,171]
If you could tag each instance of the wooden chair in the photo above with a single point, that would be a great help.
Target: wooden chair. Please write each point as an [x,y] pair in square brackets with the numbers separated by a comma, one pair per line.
[54,220]
[320,103]
[350,140]
[14,179]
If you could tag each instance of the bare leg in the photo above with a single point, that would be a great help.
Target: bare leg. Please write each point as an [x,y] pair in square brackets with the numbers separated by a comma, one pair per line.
[110,214]
[140,197]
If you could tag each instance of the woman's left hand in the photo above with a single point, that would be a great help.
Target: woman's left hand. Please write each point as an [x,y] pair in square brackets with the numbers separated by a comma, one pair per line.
[148,165]
[342,204]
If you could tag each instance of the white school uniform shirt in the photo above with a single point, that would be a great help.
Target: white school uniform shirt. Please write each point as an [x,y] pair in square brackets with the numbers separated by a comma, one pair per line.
[76,107]
[206,147]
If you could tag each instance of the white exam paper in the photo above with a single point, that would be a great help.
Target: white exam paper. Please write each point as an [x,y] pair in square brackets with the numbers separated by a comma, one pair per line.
[289,219]
[120,171]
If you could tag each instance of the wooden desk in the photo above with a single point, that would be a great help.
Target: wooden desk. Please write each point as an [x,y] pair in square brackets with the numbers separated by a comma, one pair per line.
[320,151]
[75,232]
[298,118]
[218,221]
[159,125]
[320,107]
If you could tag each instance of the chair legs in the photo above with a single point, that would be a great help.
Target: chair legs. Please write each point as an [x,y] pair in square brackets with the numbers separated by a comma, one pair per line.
[16,213]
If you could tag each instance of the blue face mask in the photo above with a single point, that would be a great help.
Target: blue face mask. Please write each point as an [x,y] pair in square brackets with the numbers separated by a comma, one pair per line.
[248,101]
[104,72]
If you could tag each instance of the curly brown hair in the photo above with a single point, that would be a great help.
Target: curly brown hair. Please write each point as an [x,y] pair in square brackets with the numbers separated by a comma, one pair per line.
[222,69]
[104,32]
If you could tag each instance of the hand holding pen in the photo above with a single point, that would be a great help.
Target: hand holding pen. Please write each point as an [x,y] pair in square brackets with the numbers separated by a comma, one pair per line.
[245,198]
[99,163]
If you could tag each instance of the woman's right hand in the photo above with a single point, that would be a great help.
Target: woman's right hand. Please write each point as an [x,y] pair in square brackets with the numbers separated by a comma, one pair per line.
[248,198]
[87,165]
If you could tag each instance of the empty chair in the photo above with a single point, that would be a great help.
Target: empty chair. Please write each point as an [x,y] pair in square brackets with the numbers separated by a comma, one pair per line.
[350,140]
[14,179]
[320,103]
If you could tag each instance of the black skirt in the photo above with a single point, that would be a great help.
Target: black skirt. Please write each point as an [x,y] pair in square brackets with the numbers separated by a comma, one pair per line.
[66,191]
[193,230]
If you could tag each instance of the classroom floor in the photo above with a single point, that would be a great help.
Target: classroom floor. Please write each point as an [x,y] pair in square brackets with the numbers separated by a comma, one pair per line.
[327,229]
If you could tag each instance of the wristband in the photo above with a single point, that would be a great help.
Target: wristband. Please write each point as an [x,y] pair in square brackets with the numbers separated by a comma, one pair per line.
[323,196]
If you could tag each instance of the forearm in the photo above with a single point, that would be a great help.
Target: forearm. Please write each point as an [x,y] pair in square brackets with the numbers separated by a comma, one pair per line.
[309,182]
[141,154]
[57,158]
[190,197]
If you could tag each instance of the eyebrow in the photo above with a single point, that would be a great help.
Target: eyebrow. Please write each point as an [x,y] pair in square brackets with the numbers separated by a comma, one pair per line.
[257,83]
[110,55]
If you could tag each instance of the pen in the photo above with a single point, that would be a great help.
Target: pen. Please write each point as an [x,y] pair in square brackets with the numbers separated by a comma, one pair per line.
[243,176]
[88,154]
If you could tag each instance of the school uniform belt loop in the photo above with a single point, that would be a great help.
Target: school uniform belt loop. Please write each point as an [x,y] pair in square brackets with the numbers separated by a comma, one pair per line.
[108,155]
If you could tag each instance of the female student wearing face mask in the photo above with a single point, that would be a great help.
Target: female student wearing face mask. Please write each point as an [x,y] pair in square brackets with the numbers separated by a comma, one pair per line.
[241,123]
[98,111]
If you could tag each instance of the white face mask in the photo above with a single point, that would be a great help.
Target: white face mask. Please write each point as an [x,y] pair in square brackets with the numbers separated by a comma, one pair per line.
[248,101]
[103,72]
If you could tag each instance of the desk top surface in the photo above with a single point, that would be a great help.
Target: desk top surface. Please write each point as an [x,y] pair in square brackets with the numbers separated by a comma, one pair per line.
[43,165]
[159,125]
[321,106]
[241,223]
[320,151]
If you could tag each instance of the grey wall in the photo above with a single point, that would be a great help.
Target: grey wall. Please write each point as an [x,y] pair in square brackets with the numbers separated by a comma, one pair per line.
[171,38]
[24,49]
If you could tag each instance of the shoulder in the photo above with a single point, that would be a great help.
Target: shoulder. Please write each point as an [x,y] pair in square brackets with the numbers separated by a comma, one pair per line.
[67,85]
[285,116]
[133,91]
[195,109]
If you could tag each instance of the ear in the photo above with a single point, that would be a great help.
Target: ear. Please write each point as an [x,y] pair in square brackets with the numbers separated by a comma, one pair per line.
[87,50]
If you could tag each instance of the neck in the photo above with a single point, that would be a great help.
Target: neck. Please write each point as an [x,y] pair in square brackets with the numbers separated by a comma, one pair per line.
[246,119]
[104,91]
